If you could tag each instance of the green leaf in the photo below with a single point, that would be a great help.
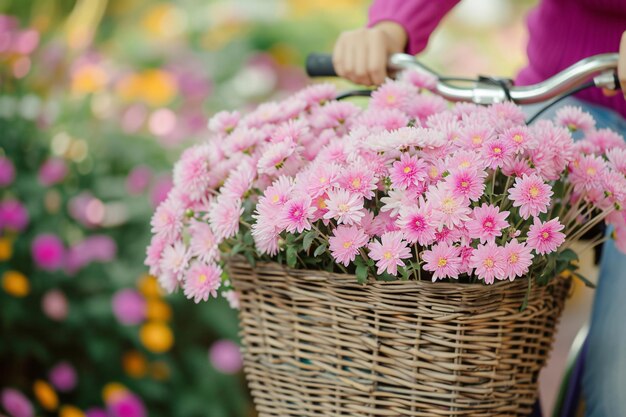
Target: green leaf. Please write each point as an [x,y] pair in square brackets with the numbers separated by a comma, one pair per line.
[236,249]
[584,280]
[361,274]
[320,250]
[292,256]
[308,239]
[527,296]
[567,255]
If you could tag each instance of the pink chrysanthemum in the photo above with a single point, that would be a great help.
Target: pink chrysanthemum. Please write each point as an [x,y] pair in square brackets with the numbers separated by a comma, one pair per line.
[202,242]
[448,210]
[391,95]
[586,172]
[443,261]
[519,138]
[545,237]
[175,260]
[516,167]
[409,171]
[191,172]
[296,214]
[496,152]
[419,79]
[266,233]
[518,259]
[389,253]
[574,118]
[467,183]
[274,157]
[224,217]
[473,136]
[240,181]
[317,94]
[489,263]
[167,220]
[388,119]
[345,243]
[154,253]
[463,159]
[359,180]
[421,107]
[333,115]
[345,207]
[417,224]
[605,139]
[224,122]
[202,281]
[617,160]
[487,223]
[319,178]
[398,199]
[531,195]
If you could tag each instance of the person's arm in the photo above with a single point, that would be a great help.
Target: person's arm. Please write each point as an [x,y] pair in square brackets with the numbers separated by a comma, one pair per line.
[394,25]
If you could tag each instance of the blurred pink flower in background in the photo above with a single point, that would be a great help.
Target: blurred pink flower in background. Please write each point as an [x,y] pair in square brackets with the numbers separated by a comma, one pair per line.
[100,248]
[129,306]
[54,305]
[96,412]
[138,179]
[13,215]
[7,171]
[63,376]
[13,401]
[134,117]
[52,172]
[87,209]
[48,252]
[160,189]
[225,356]
[126,404]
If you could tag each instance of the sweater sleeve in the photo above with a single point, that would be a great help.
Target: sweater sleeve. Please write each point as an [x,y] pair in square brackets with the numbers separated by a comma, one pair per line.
[418,17]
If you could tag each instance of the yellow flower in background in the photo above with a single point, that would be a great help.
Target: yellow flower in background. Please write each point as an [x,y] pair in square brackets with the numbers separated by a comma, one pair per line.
[149,287]
[70,411]
[112,389]
[154,86]
[6,249]
[165,21]
[135,364]
[89,78]
[15,283]
[160,371]
[300,8]
[156,336]
[284,54]
[158,310]
[46,395]
[217,36]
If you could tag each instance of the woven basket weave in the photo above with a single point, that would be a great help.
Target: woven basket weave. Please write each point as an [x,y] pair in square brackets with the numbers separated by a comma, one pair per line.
[320,344]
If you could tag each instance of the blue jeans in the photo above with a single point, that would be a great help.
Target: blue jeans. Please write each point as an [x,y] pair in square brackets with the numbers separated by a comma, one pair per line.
[604,376]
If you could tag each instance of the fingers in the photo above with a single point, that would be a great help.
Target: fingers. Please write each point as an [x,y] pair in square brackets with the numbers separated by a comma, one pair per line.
[377,58]
[621,64]
[360,56]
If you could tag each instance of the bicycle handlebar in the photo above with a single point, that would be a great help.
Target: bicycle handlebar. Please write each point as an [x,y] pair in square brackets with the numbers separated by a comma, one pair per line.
[601,69]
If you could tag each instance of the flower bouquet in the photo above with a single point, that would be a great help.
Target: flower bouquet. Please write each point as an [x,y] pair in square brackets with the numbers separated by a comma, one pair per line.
[404,259]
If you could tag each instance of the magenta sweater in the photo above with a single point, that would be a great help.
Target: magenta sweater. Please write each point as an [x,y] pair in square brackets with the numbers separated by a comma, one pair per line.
[561,33]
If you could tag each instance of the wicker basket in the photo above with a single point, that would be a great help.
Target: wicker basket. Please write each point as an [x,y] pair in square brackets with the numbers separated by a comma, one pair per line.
[320,344]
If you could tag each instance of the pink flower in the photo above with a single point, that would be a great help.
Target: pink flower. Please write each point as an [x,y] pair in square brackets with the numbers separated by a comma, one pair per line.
[417,224]
[16,404]
[545,237]
[319,178]
[129,306]
[202,281]
[174,261]
[224,122]
[138,179]
[7,171]
[605,139]
[421,107]
[317,94]
[487,223]
[519,138]
[574,119]
[466,183]
[153,254]
[225,356]
[617,160]
[296,214]
[191,172]
[443,261]
[516,167]
[13,215]
[531,195]
[474,135]
[266,233]
[63,376]
[388,119]
[161,188]
[52,172]
[345,207]
[233,298]
[202,242]
[448,210]
[54,304]
[48,252]
[274,157]
[409,171]
[224,217]
[391,95]
[496,152]
[167,220]
[389,254]
[126,404]
[463,159]
[518,259]
[345,243]
[359,180]
[586,173]
[419,79]
[489,263]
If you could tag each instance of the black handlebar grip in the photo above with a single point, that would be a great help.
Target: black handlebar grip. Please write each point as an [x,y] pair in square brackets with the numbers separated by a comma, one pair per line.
[320,65]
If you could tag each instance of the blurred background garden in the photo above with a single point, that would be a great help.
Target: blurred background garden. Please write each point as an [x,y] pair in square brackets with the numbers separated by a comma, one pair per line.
[97,100]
